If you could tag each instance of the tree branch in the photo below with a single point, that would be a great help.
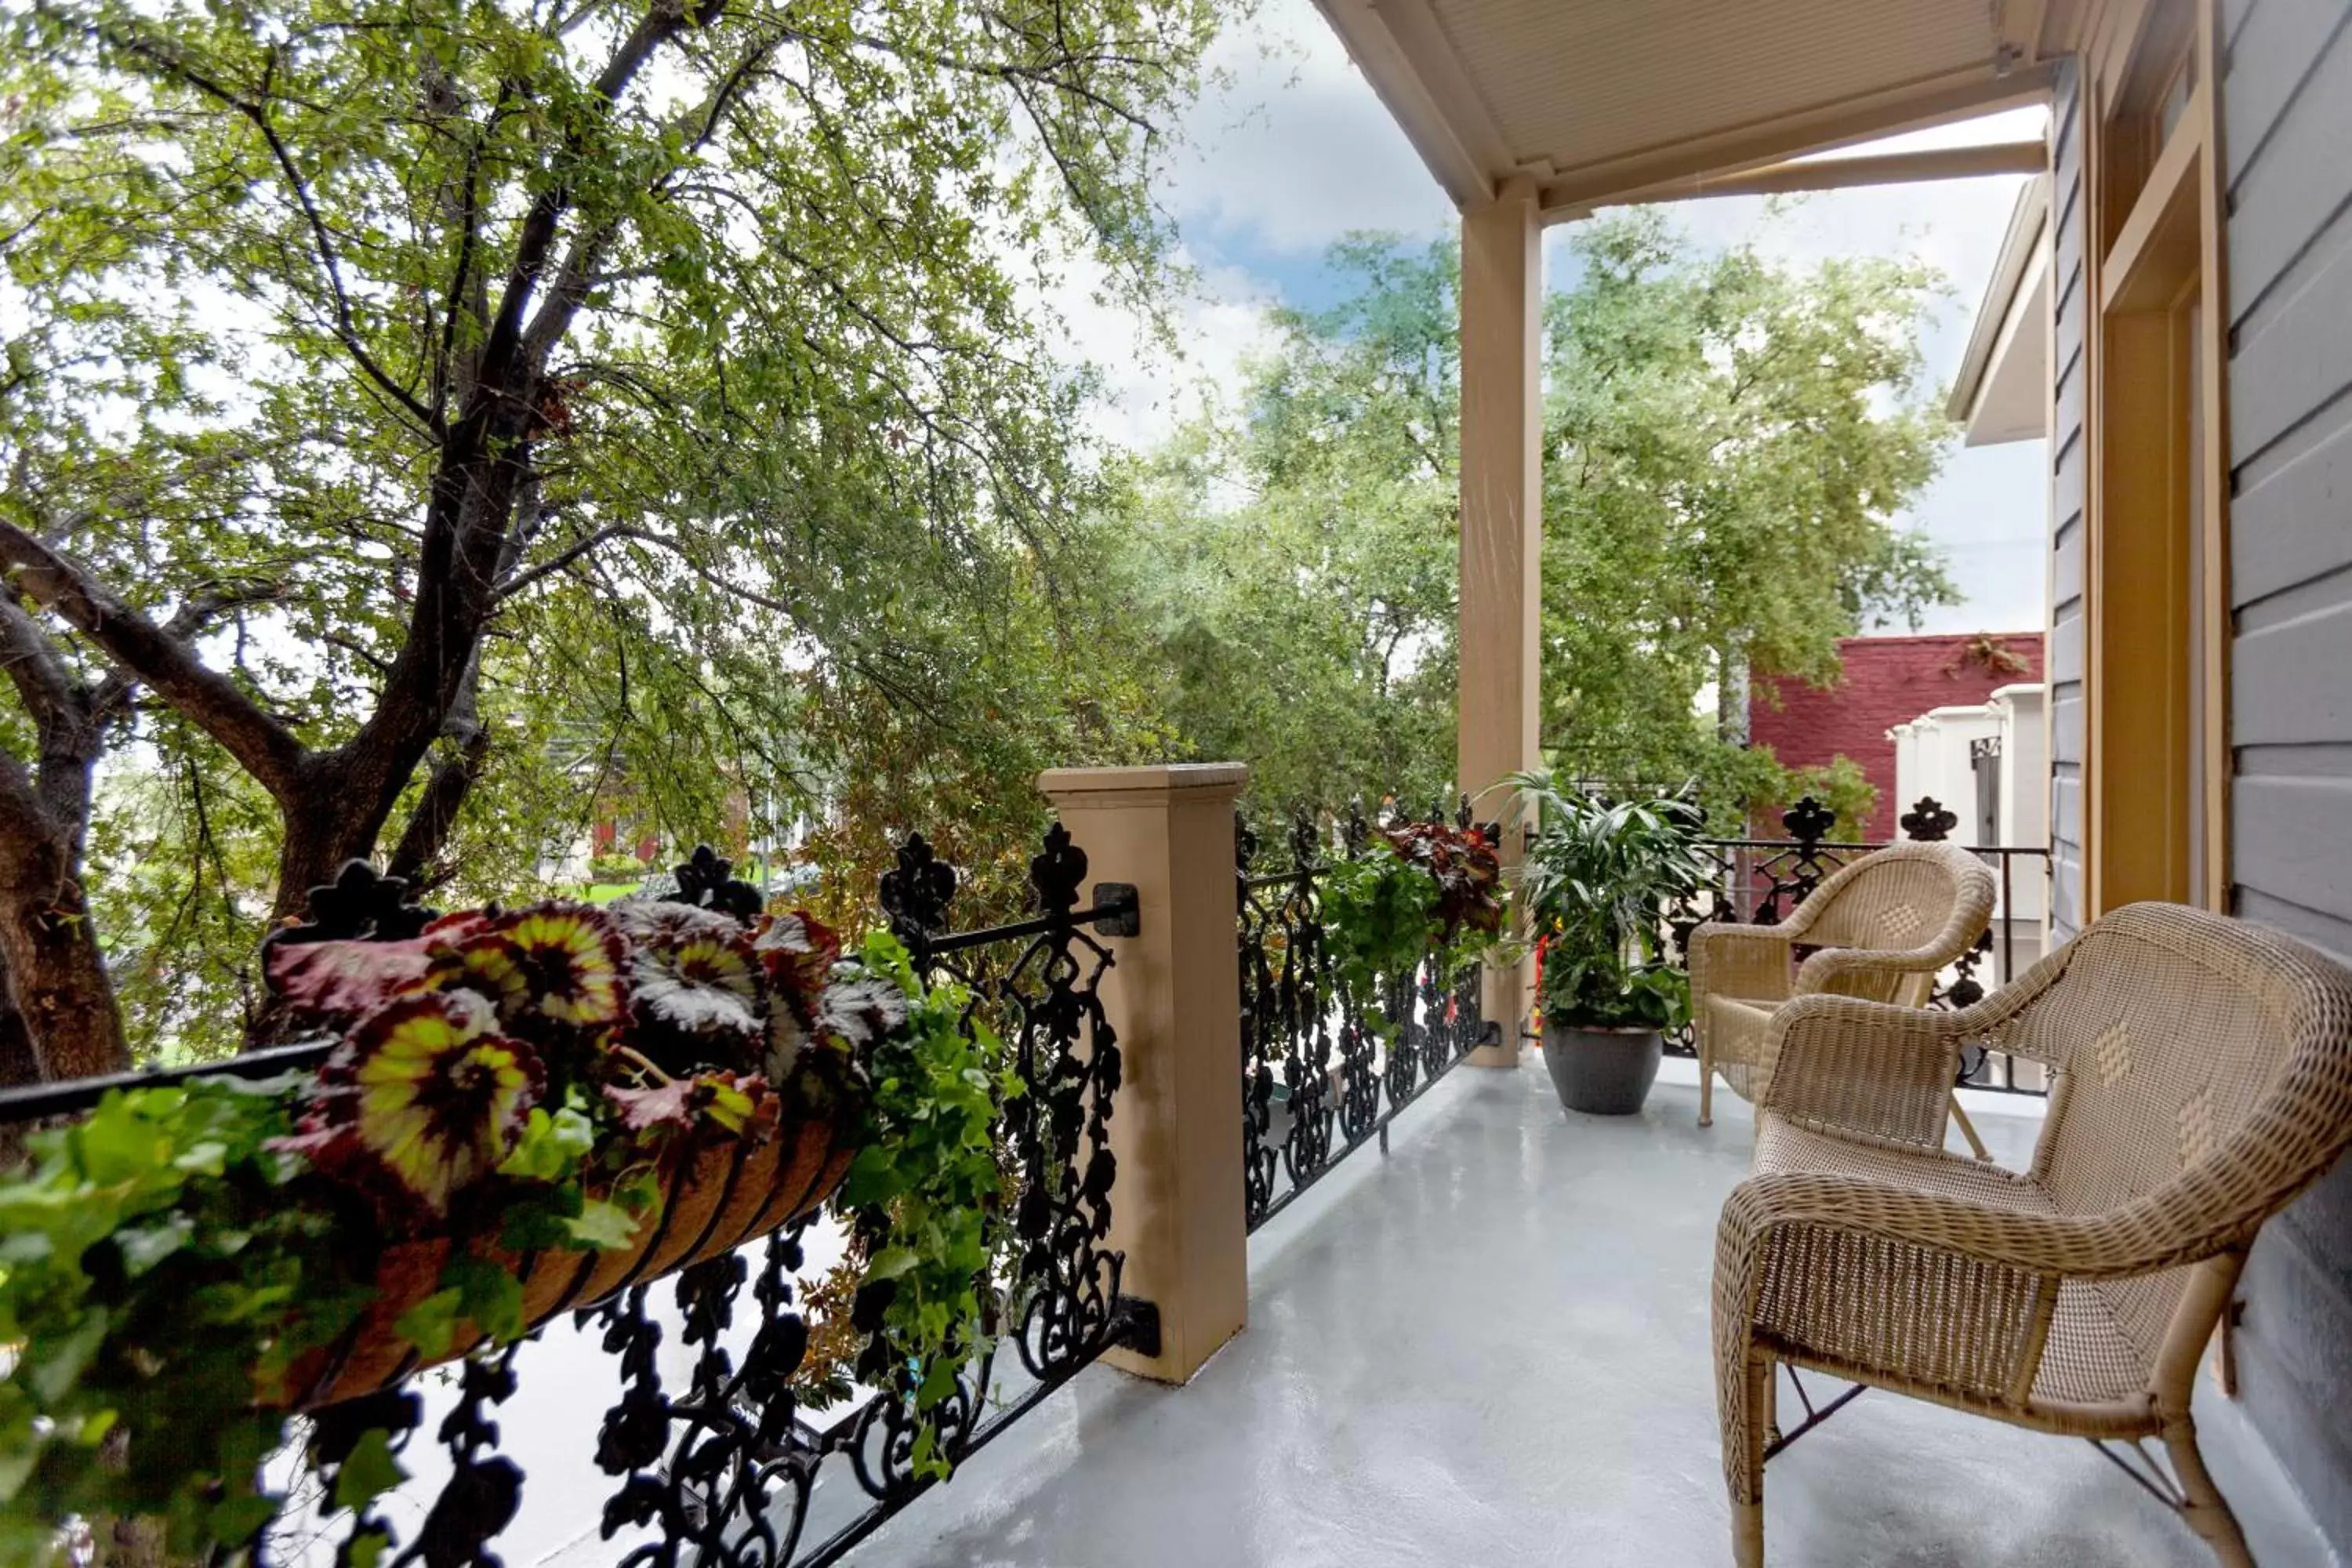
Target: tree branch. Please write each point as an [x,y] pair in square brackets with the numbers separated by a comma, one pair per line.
[258,115]
[559,561]
[163,662]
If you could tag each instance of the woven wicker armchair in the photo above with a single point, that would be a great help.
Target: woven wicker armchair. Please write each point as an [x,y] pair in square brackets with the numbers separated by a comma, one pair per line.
[2203,1078]
[1884,925]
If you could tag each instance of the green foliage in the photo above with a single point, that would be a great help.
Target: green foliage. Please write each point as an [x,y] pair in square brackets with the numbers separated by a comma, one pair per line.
[1380,917]
[1841,786]
[926,1185]
[777,434]
[154,1278]
[167,1264]
[1728,441]
[617,868]
[1592,890]
[1417,892]
[1295,562]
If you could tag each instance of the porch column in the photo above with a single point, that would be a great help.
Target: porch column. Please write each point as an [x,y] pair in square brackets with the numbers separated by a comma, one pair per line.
[1178,1209]
[1502,531]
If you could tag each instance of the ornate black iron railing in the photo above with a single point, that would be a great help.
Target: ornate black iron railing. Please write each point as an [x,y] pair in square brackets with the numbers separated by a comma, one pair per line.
[1760,880]
[720,1415]
[1320,1077]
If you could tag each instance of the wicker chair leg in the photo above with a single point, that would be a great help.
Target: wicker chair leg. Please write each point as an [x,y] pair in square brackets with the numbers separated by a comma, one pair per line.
[1706,1085]
[2206,1509]
[1968,1130]
[1746,1467]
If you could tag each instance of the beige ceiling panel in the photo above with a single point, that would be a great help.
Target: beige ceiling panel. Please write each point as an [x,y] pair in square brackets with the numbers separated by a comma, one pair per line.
[1596,98]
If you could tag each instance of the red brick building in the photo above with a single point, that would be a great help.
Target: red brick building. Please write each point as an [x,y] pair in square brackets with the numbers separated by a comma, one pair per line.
[1888,681]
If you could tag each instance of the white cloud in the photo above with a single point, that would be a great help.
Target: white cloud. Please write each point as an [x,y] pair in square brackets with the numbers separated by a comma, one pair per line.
[1295,150]
[1147,385]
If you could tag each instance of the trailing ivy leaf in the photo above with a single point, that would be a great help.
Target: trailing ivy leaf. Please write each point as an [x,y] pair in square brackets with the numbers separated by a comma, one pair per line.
[55,1365]
[605,1227]
[551,1146]
[368,1472]
[489,1295]
[431,1325]
[145,1246]
[367,1549]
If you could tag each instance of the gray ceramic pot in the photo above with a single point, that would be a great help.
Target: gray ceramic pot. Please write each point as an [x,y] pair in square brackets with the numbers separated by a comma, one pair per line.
[1605,1072]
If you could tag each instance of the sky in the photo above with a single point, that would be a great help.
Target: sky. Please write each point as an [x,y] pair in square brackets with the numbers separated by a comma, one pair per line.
[1292,151]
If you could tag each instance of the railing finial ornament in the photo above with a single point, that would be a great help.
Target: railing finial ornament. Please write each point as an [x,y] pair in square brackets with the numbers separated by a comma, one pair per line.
[1929,822]
[1809,821]
[915,893]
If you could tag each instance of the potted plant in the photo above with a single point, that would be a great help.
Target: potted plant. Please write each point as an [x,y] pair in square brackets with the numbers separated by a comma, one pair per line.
[1593,891]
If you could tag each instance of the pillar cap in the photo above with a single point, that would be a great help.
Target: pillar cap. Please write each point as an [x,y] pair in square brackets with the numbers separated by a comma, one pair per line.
[1158,783]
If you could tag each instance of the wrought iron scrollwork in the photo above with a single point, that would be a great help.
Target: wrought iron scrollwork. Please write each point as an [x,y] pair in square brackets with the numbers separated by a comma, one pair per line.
[1763,880]
[1324,1070]
[360,904]
[715,1456]
[1929,821]
[916,893]
[707,880]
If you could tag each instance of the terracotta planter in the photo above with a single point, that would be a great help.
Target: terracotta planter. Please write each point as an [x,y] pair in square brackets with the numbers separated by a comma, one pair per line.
[1602,1072]
[714,1200]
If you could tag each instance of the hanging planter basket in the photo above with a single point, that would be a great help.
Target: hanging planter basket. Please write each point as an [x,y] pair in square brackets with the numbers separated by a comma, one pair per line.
[648,1015]
[713,1200]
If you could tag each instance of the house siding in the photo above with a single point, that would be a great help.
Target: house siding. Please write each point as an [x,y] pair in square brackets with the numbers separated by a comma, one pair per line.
[2065,644]
[2286,117]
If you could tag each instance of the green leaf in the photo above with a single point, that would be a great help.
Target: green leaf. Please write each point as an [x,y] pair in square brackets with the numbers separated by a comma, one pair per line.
[144,1247]
[489,1296]
[55,1365]
[368,1472]
[892,1262]
[602,1225]
[431,1325]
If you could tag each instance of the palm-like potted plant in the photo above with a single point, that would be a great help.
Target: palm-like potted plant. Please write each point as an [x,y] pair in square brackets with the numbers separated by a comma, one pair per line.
[1592,891]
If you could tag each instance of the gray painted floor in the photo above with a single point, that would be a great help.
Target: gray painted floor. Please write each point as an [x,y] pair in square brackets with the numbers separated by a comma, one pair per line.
[1490,1349]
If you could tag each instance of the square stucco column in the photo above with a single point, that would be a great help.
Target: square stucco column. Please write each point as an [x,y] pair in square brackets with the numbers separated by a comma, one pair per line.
[1174,996]
[1502,531]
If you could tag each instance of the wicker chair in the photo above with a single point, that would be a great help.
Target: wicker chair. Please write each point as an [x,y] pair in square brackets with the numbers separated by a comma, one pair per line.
[2203,1078]
[1884,926]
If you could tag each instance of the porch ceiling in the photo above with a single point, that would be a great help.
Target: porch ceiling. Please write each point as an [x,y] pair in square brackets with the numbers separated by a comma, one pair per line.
[1598,100]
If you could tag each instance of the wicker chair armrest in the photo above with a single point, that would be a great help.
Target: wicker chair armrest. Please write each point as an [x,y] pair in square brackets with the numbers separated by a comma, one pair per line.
[2162,1230]
[1844,1270]
[1730,959]
[1823,969]
[1850,1066]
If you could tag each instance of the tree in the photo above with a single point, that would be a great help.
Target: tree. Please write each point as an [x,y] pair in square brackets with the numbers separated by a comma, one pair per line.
[1295,564]
[1728,445]
[404,389]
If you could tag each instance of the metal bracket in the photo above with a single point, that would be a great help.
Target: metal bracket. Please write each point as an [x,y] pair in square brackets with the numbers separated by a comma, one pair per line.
[1123,913]
[1135,1323]
[1813,1417]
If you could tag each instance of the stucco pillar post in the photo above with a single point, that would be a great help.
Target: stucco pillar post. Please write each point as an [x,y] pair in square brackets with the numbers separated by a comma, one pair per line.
[1502,531]
[1174,997]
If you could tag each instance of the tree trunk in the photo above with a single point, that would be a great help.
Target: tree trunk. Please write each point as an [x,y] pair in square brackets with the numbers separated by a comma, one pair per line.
[55,975]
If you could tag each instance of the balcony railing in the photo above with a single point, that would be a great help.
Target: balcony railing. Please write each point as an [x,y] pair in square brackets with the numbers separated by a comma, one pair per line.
[1760,880]
[1325,1070]
[740,1424]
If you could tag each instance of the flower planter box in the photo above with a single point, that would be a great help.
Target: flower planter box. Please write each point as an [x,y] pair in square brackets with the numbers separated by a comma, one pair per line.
[714,1200]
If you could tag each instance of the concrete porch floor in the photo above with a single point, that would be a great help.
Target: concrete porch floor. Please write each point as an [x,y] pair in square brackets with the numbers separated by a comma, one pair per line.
[1491,1348]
